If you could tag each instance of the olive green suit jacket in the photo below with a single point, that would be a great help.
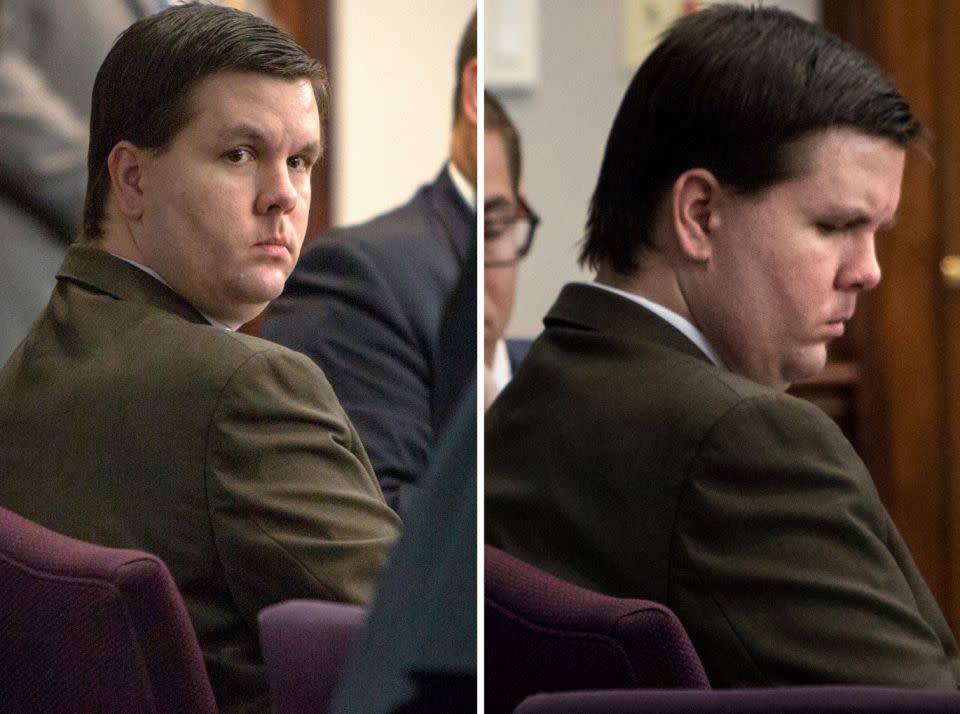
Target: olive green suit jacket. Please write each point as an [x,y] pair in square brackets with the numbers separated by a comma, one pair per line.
[128,420]
[620,458]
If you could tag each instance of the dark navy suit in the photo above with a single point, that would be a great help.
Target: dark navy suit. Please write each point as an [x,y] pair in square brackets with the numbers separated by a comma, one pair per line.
[418,650]
[517,348]
[369,303]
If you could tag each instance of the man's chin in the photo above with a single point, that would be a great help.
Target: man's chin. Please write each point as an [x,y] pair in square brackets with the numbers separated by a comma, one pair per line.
[248,303]
[808,366]
[268,287]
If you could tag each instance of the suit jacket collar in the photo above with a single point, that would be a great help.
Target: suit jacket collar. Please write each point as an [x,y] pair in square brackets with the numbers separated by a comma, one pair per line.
[98,270]
[588,308]
[459,221]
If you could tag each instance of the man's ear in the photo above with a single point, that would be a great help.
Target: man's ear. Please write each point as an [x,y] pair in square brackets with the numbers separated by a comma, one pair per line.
[468,91]
[696,194]
[125,164]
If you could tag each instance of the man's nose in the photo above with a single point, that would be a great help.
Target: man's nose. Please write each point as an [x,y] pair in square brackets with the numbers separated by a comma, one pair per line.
[277,191]
[860,271]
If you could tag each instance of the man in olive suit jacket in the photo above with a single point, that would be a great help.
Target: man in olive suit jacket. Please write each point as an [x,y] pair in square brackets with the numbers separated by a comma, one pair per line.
[133,414]
[646,448]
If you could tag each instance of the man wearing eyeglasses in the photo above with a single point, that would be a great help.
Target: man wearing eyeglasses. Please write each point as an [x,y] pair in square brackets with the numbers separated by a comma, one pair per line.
[508,228]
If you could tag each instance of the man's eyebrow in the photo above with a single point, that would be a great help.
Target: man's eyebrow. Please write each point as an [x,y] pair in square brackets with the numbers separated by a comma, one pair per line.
[863,220]
[496,202]
[852,218]
[242,131]
[312,148]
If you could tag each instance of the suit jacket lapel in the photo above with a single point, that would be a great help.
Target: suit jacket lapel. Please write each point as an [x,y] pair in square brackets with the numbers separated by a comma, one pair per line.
[453,212]
[455,364]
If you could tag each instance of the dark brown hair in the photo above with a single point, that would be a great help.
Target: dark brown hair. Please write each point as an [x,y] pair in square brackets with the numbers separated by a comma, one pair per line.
[465,52]
[496,119]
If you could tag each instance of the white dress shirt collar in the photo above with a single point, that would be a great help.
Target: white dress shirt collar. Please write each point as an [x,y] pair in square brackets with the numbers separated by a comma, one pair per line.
[500,369]
[467,191]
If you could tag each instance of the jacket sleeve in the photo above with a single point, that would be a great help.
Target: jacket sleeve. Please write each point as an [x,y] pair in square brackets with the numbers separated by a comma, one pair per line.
[295,508]
[786,567]
[344,313]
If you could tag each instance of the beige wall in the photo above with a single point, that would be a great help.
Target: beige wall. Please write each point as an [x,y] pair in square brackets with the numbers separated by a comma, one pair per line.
[392,95]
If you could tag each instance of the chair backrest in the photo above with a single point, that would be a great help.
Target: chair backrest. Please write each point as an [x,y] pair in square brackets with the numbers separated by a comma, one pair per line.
[89,628]
[547,635]
[305,645]
[833,699]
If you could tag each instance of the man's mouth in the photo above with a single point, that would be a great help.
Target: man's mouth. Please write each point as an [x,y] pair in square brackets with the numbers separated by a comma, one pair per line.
[275,247]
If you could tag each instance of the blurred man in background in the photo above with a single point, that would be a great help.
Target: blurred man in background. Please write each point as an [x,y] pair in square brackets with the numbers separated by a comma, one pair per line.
[508,229]
[49,56]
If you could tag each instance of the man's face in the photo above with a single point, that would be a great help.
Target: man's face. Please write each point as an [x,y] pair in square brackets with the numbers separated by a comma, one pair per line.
[225,204]
[500,207]
[787,265]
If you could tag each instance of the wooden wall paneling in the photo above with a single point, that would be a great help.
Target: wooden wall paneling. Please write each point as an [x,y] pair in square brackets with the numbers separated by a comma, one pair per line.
[948,165]
[289,15]
[898,332]
[910,349]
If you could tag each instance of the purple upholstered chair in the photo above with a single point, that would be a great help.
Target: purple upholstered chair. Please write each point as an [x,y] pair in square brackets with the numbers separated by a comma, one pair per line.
[547,635]
[305,646]
[789,700]
[85,628]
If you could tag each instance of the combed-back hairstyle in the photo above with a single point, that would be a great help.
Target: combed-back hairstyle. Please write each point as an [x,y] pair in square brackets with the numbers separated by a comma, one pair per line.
[732,90]
[143,89]
[466,51]
[496,119]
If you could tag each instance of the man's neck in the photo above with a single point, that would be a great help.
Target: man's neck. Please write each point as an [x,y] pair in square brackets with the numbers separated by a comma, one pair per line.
[652,281]
[127,251]
[121,246]
[655,286]
[463,149]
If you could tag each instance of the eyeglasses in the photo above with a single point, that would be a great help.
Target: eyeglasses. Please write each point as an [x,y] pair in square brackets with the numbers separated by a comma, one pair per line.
[507,237]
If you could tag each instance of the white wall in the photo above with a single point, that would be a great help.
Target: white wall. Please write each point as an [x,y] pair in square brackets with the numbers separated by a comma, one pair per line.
[563,122]
[392,91]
